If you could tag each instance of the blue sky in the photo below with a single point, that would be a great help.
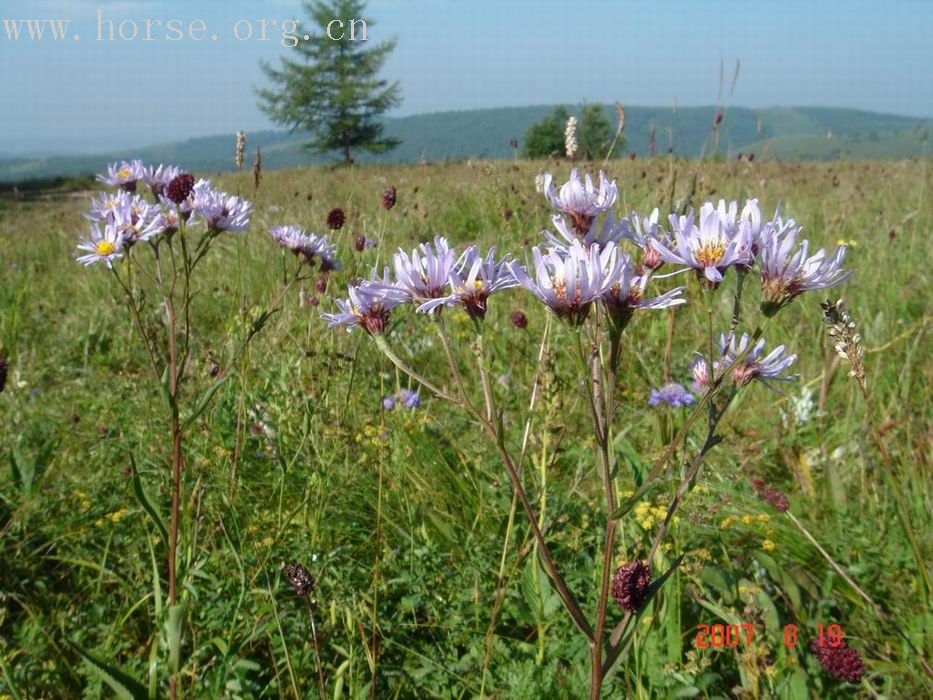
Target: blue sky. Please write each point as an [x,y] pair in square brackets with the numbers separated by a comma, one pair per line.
[86,95]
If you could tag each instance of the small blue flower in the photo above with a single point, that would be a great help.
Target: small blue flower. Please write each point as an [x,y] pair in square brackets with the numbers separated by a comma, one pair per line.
[673,395]
[388,403]
[411,399]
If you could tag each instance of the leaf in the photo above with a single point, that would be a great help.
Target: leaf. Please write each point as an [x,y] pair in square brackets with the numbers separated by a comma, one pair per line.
[173,629]
[204,401]
[146,502]
[123,685]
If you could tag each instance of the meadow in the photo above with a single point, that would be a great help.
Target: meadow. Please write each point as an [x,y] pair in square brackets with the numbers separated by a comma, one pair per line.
[426,575]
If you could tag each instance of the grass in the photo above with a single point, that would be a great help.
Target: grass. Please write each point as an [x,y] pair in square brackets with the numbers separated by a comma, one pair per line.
[295,460]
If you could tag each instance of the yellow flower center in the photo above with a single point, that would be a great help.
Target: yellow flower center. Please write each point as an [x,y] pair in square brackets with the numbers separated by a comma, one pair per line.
[123,174]
[105,248]
[710,253]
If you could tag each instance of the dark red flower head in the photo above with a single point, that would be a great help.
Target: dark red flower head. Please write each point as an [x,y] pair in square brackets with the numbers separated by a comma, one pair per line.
[4,368]
[336,219]
[842,662]
[299,578]
[771,496]
[389,198]
[519,319]
[630,585]
[180,187]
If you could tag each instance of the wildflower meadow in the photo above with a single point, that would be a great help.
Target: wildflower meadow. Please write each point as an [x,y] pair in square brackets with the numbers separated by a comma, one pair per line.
[491,429]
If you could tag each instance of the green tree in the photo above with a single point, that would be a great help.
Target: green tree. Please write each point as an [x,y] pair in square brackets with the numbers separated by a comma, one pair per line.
[333,89]
[545,138]
[594,134]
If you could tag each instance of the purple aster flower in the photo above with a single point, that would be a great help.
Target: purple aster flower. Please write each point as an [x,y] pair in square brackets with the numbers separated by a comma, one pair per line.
[308,247]
[626,295]
[673,394]
[388,403]
[424,274]
[368,307]
[699,369]
[102,246]
[708,248]
[770,367]
[608,232]
[157,178]
[580,200]
[786,273]
[140,221]
[568,282]
[219,210]
[641,230]
[106,204]
[124,175]
[472,279]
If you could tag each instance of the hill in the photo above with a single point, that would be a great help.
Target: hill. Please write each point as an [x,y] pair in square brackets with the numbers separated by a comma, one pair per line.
[799,133]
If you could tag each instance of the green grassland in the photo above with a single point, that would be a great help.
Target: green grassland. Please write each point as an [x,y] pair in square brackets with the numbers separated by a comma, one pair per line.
[403,516]
[802,133]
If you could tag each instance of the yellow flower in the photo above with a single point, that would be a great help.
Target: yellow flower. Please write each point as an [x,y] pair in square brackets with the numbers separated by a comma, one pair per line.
[771,671]
[727,523]
[628,493]
[267,542]
[768,546]
[748,519]
[850,243]
[117,515]
[764,517]
[701,488]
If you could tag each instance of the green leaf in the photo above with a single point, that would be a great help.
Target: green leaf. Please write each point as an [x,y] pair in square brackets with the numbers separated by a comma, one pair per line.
[146,502]
[123,685]
[204,401]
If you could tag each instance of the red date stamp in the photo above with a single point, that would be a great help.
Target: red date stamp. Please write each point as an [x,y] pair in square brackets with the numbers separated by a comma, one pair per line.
[720,636]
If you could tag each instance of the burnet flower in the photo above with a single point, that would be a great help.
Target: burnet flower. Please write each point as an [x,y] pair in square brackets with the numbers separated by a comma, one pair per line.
[786,273]
[102,246]
[368,306]
[580,200]
[308,247]
[472,280]
[569,282]
[219,210]
[753,365]
[707,247]
[124,175]
[158,177]
[424,274]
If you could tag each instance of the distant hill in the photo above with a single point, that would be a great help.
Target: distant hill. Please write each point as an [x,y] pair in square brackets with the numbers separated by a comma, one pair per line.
[793,133]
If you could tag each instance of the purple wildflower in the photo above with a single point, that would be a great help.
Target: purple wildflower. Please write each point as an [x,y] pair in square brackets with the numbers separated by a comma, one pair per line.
[472,280]
[674,395]
[221,211]
[580,200]
[786,274]
[368,307]
[424,274]
[102,246]
[124,175]
[841,662]
[630,586]
[569,282]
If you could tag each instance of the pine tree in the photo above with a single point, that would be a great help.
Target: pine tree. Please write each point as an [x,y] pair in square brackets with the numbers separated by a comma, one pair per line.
[333,91]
